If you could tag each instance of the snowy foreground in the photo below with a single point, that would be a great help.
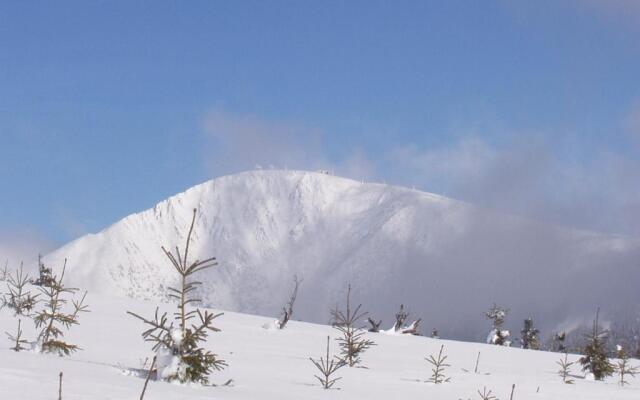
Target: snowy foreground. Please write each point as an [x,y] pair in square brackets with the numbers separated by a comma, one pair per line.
[272,364]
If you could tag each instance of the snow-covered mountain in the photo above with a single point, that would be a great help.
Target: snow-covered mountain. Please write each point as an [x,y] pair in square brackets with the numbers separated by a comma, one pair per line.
[446,260]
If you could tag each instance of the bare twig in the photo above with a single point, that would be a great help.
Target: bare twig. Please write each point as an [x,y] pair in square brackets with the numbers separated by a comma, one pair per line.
[287,311]
[60,387]
[146,381]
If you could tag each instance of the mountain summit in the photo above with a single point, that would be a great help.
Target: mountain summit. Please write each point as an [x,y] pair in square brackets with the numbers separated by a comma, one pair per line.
[445,260]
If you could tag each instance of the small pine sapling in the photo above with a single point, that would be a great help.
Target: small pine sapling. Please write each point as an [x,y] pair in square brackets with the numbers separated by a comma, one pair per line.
[352,342]
[45,277]
[595,358]
[439,364]
[17,340]
[182,345]
[18,298]
[327,367]
[558,342]
[529,336]
[565,369]
[53,318]
[497,316]
[624,367]
[287,311]
[486,395]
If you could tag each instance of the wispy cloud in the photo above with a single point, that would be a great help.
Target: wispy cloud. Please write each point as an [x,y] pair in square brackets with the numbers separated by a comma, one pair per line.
[240,142]
[530,174]
[23,246]
[530,177]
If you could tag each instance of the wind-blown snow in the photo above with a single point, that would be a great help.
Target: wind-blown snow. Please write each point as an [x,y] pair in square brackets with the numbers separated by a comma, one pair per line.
[447,261]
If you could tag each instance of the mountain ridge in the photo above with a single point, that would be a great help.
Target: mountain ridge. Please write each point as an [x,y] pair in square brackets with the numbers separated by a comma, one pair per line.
[445,259]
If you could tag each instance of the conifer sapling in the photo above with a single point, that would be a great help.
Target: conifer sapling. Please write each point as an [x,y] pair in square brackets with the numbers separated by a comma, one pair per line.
[180,354]
[18,298]
[624,367]
[439,364]
[53,318]
[497,316]
[595,358]
[352,342]
[327,367]
[529,336]
[45,277]
[17,340]
[565,369]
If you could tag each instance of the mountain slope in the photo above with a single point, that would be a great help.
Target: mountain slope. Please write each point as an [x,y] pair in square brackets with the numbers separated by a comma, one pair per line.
[444,259]
[274,365]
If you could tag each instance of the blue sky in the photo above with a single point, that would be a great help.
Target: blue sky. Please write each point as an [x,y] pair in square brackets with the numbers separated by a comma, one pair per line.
[109,107]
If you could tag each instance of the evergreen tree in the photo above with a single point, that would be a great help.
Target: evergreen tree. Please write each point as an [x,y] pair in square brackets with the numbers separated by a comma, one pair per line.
[18,341]
[623,366]
[18,298]
[181,357]
[498,336]
[530,336]
[595,358]
[565,369]
[327,367]
[558,342]
[45,277]
[352,342]
[53,318]
[439,365]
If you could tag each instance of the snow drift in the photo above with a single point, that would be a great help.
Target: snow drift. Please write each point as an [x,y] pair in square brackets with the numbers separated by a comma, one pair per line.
[444,259]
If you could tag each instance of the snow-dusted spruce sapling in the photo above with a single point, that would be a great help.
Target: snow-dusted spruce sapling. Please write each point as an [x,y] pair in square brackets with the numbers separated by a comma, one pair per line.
[595,358]
[498,336]
[52,318]
[565,369]
[180,355]
[401,317]
[18,298]
[17,340]
[439,364]
[352,342]
[529,336]
[623,367]
[327,367]
[557,343]
[287,311]
[45,275]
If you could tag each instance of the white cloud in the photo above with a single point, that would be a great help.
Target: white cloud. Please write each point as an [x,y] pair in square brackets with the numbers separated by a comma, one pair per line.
[22,246]
[529,176]
[241,142]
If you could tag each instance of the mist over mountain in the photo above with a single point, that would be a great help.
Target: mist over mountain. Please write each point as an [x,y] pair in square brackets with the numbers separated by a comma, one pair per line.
[447,261]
